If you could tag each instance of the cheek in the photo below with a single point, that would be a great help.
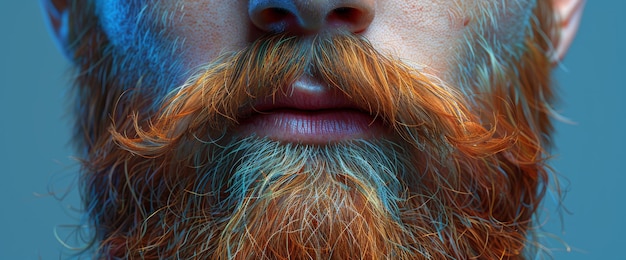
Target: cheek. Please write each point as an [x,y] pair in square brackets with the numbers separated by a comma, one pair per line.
[437,34]
[424,33]
[117,18]
[515,21]
[171,37]
[501,23]
[209,28]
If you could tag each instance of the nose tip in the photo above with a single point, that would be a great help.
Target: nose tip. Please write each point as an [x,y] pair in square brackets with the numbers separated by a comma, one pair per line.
[311,16]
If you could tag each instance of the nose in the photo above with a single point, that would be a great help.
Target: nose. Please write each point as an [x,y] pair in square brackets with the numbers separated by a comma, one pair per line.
[311,16]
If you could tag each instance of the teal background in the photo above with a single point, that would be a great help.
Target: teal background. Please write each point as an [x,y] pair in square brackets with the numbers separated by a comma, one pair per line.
[35,158]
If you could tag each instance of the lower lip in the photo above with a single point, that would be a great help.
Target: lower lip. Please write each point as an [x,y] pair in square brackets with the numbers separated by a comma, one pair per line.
[314,127]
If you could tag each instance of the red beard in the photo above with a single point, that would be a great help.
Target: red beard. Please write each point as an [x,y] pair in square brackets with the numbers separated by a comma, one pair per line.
[456,179]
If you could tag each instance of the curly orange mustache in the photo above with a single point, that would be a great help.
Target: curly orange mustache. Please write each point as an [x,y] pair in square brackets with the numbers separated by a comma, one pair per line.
[417,108]
[441,186]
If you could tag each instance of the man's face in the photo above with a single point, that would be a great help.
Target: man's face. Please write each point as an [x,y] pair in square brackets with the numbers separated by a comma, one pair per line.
[313,129]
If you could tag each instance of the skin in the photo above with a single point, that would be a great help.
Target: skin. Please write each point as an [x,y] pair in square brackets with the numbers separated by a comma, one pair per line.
[414,30]
[397,24]
[428,33]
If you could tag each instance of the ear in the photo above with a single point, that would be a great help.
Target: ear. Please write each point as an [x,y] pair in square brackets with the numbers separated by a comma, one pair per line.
[569,13]
[57,13]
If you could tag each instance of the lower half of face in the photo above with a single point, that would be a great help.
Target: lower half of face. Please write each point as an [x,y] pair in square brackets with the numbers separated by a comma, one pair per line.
[419,137]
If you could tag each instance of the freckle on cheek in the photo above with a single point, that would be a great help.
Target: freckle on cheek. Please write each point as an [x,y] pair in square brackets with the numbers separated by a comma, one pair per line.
[458,21]
[466,21]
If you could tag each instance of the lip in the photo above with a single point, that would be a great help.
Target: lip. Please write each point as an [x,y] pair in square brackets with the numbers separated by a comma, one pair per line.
[310,112]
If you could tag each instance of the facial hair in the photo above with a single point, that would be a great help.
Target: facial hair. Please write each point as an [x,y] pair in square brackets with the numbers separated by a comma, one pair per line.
[450,182]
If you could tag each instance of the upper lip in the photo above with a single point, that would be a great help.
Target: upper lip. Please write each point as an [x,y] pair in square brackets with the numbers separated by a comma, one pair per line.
[306,95]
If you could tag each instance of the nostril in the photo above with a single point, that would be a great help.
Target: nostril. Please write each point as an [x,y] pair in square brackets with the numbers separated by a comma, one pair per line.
[275,18]
[345,12]
[308,16]
[353,18]
[274,14]
[345,15]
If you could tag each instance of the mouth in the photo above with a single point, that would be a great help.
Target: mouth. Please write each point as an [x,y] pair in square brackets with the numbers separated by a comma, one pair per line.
[312,113]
